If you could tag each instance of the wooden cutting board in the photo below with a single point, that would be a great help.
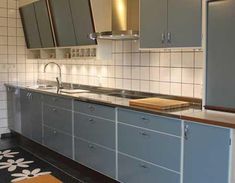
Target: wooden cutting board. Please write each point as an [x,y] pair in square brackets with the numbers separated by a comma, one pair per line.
[41,179]
[158,103]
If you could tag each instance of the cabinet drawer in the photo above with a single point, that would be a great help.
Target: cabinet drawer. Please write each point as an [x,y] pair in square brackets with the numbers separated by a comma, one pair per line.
[134,171]
[57,118]
[96,130]
[95,110]
[58,141]
[153,122]
[58,101]
[95,157]
[160,149]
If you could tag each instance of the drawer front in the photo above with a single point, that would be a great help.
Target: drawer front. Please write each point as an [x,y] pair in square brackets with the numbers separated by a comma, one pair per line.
[58,101]
[58,141]
[153,122]
[160,149]
[95,157]
[95,110]
[134,171]
[58,118]
[96,130]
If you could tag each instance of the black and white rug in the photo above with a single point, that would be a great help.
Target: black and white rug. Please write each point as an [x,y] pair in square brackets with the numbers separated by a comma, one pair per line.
[17,164]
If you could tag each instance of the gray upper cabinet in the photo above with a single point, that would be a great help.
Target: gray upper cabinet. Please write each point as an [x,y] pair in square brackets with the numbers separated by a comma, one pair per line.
[184,23]
[63,23]
[170,23]
[220,85]
[44,25]
[206,154]
[83,21]
[30,26]
[153,23]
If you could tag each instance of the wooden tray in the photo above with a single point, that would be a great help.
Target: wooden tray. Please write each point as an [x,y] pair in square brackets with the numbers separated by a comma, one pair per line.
[158,103]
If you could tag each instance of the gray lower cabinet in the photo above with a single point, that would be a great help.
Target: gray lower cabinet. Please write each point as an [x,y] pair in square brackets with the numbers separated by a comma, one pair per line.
[95,157]
[31,115]
[206,154]
[94,129]
[131,170]
[160,149]
[58,141]
[220,85]
[13,109]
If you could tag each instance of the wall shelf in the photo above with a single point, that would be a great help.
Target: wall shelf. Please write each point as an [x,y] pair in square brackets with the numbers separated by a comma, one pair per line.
[78,52]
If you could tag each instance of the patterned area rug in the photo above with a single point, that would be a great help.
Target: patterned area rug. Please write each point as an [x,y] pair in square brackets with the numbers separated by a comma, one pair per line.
[17,164]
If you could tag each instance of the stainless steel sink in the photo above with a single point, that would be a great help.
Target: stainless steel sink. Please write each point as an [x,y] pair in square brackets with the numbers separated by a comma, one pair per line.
[73,91]
[43,87]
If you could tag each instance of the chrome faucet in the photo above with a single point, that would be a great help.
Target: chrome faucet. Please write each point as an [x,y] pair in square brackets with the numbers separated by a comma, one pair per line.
[58,79]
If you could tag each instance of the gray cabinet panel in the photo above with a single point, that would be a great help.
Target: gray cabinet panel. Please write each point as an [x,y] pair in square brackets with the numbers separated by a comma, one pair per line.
[206,154]
[185,23]
[31,115]
[57,118]
[58,101]
[95,110]
[153,23]
[95,157]
[135,171]
[162,150]
[30,26]
[63,24]
[58,141]
[83,23]
[152,122]
[13,109]
[96,130]
[220,85]
[44,24]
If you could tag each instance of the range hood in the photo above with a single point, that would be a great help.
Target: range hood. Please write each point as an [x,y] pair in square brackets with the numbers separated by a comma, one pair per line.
[125,21]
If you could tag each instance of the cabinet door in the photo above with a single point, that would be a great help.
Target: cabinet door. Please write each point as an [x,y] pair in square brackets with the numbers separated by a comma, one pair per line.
[30,26]
[206,154]
[44,24]
[36,117]
[26,127]
[153,23]
[184,23]
[13,109]
[220,85]
[63,24]
[83,21]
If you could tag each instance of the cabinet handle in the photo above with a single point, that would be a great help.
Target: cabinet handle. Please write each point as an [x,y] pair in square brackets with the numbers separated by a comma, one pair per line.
[143,166]
[186,132]
[55,132]
[144,134]
[54,110]
[91,146]
[92,121]
[92,108]
[163,37]
[144,118]
[168,37]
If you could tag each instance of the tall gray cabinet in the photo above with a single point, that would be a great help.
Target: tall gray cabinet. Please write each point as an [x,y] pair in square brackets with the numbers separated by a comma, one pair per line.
[220,83]
[170,23]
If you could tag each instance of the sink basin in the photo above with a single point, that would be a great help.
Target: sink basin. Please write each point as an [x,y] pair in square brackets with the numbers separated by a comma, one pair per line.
[44,87]
[73,91]
[128,96]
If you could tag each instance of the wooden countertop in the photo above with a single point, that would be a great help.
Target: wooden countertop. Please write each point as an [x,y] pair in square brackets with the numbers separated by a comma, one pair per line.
[223,119]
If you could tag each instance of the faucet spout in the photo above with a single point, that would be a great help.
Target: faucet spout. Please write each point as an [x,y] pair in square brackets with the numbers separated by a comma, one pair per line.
[58,80]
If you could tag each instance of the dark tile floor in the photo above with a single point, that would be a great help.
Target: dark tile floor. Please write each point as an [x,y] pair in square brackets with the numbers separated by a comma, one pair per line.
[77,172]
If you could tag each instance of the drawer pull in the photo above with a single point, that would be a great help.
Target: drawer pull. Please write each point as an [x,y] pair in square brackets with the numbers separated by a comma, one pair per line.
[92,121]
[144,134]
[54,110]
[143,166]
[55,132]
[92,108]
[144,118]
[91,146]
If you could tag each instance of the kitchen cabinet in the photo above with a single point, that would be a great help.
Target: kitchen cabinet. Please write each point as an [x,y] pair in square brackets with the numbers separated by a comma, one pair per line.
[63,22]
[30,26]
[44,24]
[13,109]
[149,147]
[220,85]
[31,115]
[83,21]
[170,23]
[206,154]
